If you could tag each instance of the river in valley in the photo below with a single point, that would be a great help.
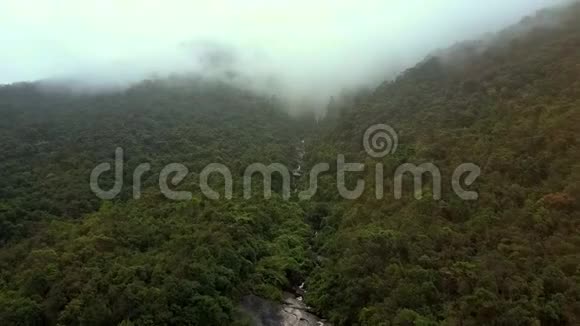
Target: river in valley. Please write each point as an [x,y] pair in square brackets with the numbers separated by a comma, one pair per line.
[291,312]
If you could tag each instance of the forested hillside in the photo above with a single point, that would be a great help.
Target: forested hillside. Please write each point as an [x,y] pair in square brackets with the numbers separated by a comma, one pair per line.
[52,139]
[511,105]
[69,258]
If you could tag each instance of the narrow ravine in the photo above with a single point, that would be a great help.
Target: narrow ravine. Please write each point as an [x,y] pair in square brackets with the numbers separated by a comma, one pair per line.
[292,311]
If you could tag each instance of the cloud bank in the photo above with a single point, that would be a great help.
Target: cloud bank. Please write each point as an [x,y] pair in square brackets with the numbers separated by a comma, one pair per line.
[305,49]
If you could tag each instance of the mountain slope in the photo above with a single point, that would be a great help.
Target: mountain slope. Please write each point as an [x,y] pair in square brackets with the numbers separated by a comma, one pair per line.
[70,258]
[51,140]
[510,105]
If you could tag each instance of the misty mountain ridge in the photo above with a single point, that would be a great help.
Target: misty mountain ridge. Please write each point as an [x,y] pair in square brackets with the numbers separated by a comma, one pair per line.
[509,103]
[258,70]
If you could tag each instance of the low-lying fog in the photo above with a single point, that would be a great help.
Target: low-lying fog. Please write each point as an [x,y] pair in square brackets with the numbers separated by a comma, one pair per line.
[300,49]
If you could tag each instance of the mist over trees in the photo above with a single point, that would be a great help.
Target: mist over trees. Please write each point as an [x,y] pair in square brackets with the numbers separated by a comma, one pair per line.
[301,52]
[508,102]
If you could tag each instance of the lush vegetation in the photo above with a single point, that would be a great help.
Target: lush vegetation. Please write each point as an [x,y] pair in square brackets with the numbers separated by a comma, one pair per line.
[52,140]
[510,258]
[71,259]
[510,104]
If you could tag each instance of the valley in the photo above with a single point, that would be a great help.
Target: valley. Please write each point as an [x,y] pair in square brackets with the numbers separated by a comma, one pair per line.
[508,104]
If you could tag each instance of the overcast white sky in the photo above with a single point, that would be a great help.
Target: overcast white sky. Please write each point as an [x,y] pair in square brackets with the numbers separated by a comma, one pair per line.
[305,41]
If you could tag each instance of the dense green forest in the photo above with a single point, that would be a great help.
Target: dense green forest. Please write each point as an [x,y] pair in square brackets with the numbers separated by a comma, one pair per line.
[510,104]
[69,258]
